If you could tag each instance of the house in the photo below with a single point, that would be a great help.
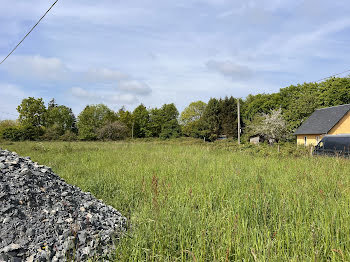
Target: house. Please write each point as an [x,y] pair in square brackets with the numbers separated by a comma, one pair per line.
[325,121]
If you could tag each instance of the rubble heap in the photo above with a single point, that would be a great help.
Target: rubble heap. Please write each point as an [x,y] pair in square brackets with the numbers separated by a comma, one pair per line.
[42,218]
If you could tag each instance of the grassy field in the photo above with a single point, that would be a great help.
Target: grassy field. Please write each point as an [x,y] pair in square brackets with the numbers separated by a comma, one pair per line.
[204,202]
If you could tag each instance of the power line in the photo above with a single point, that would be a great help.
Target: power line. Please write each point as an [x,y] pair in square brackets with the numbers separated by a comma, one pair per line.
[332,76]
[29,32]
[8,113]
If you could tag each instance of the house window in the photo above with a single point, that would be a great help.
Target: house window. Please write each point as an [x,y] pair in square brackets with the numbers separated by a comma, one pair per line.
[317,139]
[305,140]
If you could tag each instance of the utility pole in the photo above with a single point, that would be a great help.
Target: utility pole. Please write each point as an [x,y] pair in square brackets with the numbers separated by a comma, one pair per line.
[238,122]
[132,131]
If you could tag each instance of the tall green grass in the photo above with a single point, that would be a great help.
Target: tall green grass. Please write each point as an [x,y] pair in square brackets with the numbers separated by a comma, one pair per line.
[204,202]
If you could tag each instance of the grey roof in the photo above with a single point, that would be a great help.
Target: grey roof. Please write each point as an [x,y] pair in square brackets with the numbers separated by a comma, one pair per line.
[323,120]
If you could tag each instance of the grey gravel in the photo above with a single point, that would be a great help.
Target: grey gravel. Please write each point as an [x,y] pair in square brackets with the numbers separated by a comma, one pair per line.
[42,218]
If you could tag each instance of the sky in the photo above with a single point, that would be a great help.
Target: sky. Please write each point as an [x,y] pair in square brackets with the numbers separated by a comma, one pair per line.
[123,53]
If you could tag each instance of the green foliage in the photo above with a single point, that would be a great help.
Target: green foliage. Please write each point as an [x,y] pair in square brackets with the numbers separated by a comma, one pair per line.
[163,122]
[60,118]
[228,117]
[141,118]
[69,136]
[304,101]
[272,127]
[251,126]
[12,134]
[219,118]
[52,133]
[22,133]
[92,118]
[32,112]
[191,119]
[211,120]
[125,117]
[7,124]
[298,102]
[261,103]
[170,127]
[113,131]
[198,120]
[155,122]
[335,91]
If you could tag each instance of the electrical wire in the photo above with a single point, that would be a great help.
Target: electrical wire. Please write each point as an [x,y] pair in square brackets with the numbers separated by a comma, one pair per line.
[8,113]
[332,76]
[28,32]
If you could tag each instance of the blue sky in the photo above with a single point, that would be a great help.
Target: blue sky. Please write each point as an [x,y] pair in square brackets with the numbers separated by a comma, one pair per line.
[123,53]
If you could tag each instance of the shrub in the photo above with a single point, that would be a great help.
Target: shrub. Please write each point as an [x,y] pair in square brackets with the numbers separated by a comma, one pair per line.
[170,129]
[31,132]
[22,133]
[52,133]
[12,134]
[113,131]
[7,123]
[69,136]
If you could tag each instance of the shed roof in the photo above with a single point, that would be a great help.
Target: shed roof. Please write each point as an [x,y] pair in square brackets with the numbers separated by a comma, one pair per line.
[323,120]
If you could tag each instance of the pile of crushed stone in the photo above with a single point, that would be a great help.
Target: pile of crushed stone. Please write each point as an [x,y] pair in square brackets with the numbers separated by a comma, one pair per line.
[42,218]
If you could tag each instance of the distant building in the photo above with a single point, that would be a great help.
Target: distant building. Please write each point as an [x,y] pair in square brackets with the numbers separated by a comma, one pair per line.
[255,139]
[326,121]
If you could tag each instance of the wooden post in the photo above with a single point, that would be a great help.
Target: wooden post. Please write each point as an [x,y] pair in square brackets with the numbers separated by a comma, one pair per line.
[238,122]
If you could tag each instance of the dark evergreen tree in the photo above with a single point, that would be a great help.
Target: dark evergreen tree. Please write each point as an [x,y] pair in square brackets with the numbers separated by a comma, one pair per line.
[141,119]
[210,120]
[170,125]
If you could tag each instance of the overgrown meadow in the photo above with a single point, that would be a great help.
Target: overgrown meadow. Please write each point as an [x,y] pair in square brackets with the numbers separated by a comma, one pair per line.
[196,201]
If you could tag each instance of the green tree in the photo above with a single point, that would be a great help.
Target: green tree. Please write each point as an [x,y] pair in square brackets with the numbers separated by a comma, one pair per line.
[125,117]
[260,103]
[190,119]
[272,126]
[156,121]
[304,101]
[92,118]
[52,104]
[170,125]
[210,120]
[60,118]
[32,112]
[113,131]
[228,116]
[335,91]
[141,118]
[7,124]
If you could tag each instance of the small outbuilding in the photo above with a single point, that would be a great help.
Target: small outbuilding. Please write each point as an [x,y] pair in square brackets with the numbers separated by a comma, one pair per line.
[255,139]
[325,121]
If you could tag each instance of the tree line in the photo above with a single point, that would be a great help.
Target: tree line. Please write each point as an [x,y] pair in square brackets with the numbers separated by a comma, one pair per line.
[272,116]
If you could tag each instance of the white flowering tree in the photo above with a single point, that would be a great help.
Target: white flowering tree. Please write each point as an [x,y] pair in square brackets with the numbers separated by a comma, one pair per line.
[272,126]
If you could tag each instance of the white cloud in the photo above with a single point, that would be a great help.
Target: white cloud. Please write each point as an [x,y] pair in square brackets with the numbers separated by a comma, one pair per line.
[37,67]
[83,94]
[54,70]
[103,96]
[229,69]
[10,97]
[135,87]
[122,99]
[286,44]
[104,75]
[10,90]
